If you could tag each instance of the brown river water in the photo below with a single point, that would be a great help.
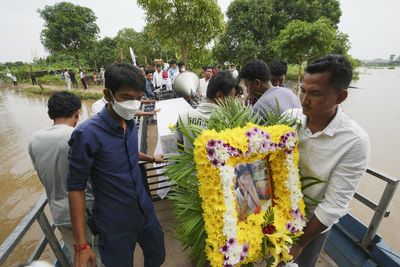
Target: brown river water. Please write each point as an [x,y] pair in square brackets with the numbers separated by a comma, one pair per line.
[375,106]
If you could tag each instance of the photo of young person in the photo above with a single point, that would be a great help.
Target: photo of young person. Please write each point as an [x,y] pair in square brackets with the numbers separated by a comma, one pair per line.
[253,190]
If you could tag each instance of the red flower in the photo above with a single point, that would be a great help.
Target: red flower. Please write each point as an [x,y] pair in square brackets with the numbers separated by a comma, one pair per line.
[269,229]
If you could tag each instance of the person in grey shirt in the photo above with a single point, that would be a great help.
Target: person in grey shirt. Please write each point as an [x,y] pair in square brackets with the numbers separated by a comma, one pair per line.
[48,149]
[262,94]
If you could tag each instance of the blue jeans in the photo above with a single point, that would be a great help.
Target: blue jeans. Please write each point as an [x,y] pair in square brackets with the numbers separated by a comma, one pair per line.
[310,254]
[118,249]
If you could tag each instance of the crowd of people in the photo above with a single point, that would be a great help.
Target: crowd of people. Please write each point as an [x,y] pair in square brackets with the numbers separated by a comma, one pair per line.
[94,166]
[69,76]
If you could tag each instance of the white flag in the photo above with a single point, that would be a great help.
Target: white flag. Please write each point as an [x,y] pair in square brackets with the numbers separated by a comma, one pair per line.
[132,56]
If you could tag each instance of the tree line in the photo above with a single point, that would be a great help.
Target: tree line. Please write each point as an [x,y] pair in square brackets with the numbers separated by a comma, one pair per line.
[194,31]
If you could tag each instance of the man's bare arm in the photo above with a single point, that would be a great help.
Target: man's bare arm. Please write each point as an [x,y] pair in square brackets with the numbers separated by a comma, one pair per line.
[313,228]
[77,211]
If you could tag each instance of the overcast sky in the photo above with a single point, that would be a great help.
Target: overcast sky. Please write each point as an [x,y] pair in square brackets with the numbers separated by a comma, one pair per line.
[373,26]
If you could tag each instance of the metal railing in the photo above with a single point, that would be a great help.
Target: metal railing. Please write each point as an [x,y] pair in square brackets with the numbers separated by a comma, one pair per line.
[36,214]
[380,209]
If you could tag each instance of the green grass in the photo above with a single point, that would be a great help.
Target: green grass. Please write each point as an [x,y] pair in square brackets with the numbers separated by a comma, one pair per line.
[80,93]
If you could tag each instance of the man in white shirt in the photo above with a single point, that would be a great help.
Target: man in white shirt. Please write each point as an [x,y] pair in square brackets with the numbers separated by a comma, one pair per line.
[158,80]
[82,75]
[67,79]
[202,92]
[332,148]
[234,71]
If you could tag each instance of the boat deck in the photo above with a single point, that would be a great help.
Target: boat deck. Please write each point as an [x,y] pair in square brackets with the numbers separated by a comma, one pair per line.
[175,255]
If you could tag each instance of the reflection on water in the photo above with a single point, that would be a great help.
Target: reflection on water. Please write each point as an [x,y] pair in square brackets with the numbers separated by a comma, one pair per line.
[375,106]
[20,116]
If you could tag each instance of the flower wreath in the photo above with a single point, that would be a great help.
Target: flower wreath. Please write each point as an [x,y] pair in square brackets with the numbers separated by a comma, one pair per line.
[267,233]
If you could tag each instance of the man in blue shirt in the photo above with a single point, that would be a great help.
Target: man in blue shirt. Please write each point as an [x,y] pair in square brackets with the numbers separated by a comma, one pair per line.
[105,148]
[149,84]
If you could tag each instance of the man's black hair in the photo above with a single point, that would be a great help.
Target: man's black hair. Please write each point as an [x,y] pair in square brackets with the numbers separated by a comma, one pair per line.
[158,65]
[338,66]
[63,105]
[223,82]
[180,64]
[120,75]
[255,69]
[173,61]
[147,71]
[278,67]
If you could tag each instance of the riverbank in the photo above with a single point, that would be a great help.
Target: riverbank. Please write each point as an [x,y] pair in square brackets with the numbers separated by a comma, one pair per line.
[93,93]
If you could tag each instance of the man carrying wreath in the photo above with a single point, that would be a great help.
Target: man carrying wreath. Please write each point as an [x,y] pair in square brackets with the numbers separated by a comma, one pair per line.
[332,148]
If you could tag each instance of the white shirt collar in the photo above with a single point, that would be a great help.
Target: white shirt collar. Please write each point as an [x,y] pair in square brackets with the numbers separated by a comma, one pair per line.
[330,129]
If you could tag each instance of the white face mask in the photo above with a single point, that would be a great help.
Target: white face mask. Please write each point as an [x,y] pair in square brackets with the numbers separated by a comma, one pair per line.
[183,69]
[126,109]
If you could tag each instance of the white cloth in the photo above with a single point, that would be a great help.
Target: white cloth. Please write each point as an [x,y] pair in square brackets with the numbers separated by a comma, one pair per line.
[48,149]
[203,88]
[338,155]
[98,105]
[167,140]
[158,80]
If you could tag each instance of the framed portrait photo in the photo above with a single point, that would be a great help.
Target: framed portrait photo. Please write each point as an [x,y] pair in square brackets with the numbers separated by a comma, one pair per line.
[253,188]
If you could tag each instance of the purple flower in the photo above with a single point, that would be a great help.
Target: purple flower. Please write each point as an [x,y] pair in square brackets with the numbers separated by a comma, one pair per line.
[255,130]
[291,228]
[211,143]
[211,153]
[245,248]
[215,162]
[231,241]
[225,248]
[296,213]
[248,134]
[264,144]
